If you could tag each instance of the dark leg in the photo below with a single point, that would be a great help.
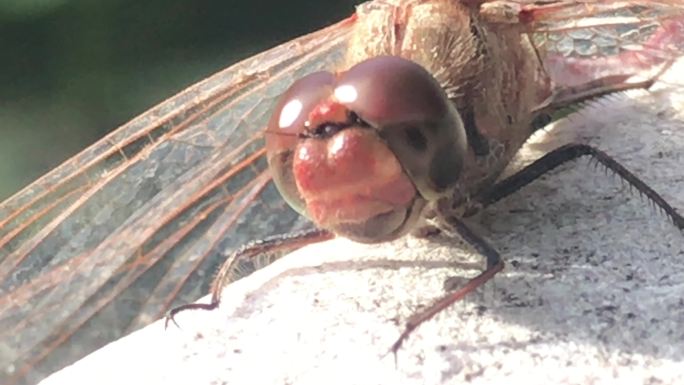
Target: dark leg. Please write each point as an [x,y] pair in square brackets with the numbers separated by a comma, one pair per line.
[280,243]
[494,265]
[570,152]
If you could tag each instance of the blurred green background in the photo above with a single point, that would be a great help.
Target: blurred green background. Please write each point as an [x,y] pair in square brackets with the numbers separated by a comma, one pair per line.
[71,70]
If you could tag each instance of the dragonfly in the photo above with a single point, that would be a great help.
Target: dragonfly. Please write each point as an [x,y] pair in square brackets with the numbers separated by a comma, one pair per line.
[139,222]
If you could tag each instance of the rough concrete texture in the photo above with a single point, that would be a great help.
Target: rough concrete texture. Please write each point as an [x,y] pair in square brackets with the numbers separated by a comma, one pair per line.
[592,292]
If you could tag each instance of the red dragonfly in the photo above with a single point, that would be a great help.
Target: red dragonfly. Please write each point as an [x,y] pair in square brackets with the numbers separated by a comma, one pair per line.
[138,222]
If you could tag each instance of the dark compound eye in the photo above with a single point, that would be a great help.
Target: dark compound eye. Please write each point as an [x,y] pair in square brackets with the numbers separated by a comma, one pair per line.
[412,113]
[292,110]
[387,90]
[416,139]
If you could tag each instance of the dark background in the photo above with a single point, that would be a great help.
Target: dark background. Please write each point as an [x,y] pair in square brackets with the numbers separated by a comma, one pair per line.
[72,70]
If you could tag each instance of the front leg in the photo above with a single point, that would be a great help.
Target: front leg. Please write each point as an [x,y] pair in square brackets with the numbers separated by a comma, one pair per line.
[283,243]
[494,265]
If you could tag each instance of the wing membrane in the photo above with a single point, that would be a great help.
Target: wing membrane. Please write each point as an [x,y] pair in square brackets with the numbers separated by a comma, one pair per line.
[108,241]
[586,39]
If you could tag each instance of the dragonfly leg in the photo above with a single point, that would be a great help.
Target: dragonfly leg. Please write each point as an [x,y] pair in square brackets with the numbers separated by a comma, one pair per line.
[494,265]
[564,154]
[283,243]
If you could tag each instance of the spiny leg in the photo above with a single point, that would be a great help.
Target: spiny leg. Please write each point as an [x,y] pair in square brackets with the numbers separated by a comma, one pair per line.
[567,153]
[283,243]
[494,265]
[510,185]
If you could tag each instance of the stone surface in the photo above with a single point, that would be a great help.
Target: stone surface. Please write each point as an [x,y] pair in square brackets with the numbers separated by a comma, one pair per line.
[592,291]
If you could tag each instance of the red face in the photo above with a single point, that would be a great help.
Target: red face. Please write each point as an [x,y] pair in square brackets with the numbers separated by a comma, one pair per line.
[361,152]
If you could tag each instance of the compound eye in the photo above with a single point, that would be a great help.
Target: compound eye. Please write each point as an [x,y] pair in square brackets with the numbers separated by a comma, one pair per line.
[413,115]
[288,122]
[292,110]
[388,90]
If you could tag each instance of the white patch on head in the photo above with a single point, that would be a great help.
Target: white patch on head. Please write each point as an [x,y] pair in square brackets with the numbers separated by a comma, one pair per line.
[346,93]
[289,113]
[337,144]
[303,153]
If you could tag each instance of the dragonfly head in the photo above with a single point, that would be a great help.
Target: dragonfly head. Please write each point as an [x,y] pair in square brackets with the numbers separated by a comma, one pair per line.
[361,152]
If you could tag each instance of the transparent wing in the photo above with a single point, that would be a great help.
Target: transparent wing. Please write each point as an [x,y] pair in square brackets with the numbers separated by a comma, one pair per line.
[139,221]
[582,40]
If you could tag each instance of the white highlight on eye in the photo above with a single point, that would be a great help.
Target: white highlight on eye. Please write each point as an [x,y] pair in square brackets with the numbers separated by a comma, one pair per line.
[289,113]
[346,93]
